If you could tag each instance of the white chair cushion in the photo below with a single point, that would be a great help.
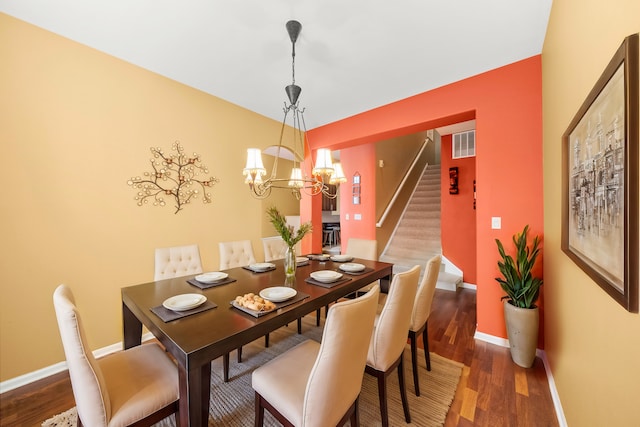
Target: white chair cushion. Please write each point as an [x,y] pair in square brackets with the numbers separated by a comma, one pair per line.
[390,331]
[140,381]
[424,296]
[88,383]
[288,397]
[236,254]
[177,261]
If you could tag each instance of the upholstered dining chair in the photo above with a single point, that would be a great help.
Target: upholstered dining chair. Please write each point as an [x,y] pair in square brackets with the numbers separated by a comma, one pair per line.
[177,261]
[389,338]
[138,386]
[318,384]
[236,254]
[420,316]
[365,249]
[274,248]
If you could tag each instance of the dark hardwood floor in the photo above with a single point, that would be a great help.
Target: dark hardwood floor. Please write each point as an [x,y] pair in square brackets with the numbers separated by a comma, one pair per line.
[493,391]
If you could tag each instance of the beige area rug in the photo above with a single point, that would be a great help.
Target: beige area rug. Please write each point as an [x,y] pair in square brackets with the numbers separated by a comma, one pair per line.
[232,403]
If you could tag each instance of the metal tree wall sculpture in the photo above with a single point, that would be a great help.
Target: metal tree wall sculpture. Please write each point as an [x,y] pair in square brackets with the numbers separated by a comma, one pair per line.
[174,176]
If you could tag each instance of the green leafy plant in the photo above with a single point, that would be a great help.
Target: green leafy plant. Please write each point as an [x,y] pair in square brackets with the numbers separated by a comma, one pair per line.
[518,282]
[285,230]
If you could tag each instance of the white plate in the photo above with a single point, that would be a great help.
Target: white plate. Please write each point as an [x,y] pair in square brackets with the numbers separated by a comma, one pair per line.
[301,260]
[184,302]
[326,276]
[278,293]
[261,266]
[213,276]
[352,267]
[341,258]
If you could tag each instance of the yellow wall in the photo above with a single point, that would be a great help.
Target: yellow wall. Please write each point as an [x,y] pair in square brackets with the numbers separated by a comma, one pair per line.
[76,124]
[592,343]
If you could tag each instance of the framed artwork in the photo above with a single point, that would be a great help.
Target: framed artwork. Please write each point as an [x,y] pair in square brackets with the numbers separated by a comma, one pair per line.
[453,180]
[600,180]
[356,189]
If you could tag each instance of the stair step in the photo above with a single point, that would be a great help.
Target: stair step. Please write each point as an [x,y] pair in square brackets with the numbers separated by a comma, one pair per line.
[448,281]
[416,238]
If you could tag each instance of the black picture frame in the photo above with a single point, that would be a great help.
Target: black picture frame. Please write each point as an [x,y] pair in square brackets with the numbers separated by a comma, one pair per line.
[600,180]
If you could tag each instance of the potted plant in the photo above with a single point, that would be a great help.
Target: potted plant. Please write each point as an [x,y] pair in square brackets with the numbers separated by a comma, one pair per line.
[290,238]
[522,288]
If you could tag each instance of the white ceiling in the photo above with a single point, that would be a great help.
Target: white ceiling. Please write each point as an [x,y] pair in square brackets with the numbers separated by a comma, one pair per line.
[351,56]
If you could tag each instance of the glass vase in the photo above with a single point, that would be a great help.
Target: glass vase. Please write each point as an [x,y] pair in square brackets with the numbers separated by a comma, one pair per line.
[290,262]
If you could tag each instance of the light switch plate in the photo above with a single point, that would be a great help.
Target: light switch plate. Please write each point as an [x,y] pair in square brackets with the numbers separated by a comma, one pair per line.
[357,217]
[496,222]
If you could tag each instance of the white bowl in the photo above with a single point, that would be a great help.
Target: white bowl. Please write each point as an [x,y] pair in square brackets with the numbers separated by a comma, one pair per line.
[326,276]
[278,293]
[341,258]
[184,302]
[352,267]
[213,276]
[261,266]
[301,260]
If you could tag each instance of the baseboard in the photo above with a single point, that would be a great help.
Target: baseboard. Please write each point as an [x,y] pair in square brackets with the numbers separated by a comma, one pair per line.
[43,373]
[491,339]
[562,421]
[471,286]
[555,397]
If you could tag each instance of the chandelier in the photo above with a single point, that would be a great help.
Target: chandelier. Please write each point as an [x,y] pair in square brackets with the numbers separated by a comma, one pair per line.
[325,172]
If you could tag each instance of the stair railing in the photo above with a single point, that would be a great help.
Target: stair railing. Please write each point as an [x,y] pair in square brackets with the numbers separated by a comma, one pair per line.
[401,185]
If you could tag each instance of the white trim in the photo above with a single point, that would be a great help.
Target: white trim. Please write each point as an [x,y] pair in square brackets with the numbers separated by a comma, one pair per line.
[471,286]
[491,339]
[40,374]
[562,421]
[555,397]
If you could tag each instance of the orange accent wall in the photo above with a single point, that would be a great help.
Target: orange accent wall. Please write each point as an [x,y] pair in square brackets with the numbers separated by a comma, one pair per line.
[507,105]
[458,217]
[359,159]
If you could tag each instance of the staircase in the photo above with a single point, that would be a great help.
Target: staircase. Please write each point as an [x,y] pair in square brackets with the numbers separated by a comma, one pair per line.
[417,236]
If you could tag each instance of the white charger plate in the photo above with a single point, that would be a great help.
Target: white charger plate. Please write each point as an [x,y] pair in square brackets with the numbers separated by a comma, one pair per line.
[326,276]
[184,302]
[278,293]
[261,266]
[352,267]
[211,277]
[342,258]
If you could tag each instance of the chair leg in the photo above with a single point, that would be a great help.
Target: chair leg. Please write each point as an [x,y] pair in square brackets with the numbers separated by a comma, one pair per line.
[425,342]
[414,361]
[299,325]
[225,367]
[239,354]
[403,391]
[382,396]
[259,416]
[355,417]
[318,313]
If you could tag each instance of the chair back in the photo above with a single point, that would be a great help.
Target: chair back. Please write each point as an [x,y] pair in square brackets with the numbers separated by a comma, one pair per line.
[236,254]
[87,381]
[177,261]
[274,248]
[390,331]
[335,380]
[424,296]
[362,248]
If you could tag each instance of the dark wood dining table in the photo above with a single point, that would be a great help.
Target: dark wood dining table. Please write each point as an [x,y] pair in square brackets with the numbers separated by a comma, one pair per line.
[195,340]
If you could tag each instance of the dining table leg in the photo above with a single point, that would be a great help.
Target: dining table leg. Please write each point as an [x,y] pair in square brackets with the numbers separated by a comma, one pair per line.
[195,390]
[132,328]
